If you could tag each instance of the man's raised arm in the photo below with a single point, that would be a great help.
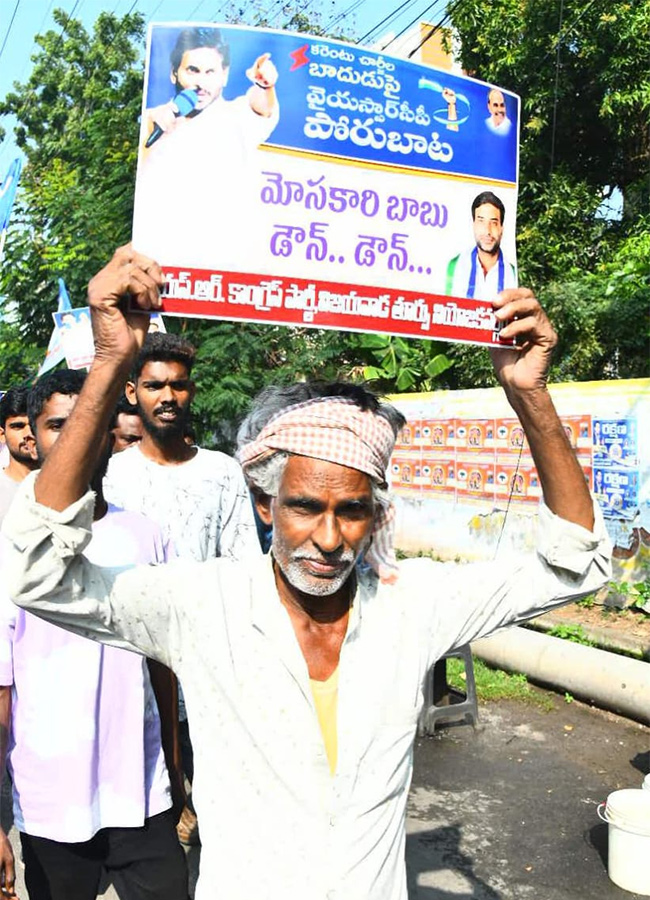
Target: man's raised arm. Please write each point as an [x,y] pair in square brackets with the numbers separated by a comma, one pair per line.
[67,471]
[523,374]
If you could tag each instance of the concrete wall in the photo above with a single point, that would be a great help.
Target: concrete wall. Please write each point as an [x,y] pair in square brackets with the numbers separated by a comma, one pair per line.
[466,486]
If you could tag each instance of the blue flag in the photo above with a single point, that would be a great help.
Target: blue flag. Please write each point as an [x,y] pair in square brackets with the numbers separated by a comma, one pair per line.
[54,354]
[7,195]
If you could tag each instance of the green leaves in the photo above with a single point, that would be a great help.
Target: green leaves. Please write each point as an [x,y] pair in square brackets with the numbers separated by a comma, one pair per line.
[408,365]
[585,88]
[78,125]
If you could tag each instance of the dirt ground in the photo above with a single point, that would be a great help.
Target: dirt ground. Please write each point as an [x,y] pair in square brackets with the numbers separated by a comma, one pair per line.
[630,623]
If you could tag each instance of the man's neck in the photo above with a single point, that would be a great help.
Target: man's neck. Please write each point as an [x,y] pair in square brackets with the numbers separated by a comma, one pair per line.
[97,485]
[101,507]
[17,470]
[167,453]
[322,610]
[319,623]
[487,260]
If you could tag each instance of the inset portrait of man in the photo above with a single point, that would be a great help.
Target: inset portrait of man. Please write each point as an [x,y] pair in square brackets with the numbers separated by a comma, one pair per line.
[498,121]
[483,271]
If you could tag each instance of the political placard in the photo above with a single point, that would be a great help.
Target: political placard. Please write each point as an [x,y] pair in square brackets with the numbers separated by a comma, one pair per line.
[291,179]
[76,336]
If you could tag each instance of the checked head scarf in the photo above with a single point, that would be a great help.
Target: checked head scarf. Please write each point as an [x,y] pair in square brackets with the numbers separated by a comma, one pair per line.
[336,430]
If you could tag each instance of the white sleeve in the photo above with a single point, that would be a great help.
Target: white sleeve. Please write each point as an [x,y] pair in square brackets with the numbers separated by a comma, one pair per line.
[142,608]
[238,536]
[473,600]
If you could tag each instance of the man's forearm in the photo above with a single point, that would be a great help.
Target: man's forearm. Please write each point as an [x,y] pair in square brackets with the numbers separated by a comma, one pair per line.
[67,471]
[5,725]
[561,477]
[131,277]
[263,101]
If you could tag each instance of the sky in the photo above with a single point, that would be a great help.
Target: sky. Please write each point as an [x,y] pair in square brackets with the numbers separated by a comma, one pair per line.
[21,20]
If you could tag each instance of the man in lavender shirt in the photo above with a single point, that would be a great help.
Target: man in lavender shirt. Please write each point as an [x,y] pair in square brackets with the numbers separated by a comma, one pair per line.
[90,786]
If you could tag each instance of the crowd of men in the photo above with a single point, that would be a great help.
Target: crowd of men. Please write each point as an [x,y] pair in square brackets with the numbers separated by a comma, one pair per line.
[96,743]
[301,669]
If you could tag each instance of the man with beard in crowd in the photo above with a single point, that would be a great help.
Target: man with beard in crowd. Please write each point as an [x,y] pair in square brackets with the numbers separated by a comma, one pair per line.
[305,670]
[14,428]
[198,497]
[80,724]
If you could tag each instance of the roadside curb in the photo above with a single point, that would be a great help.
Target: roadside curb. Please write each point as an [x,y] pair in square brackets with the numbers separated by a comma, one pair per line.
[604,638]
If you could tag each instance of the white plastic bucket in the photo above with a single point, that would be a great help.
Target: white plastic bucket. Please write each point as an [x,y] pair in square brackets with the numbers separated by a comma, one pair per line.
[627,814]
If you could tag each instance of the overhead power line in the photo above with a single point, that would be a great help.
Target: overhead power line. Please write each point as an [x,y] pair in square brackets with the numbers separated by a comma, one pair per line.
[418,18]
[344,13]
[385,20]
[6,37]
[441,24]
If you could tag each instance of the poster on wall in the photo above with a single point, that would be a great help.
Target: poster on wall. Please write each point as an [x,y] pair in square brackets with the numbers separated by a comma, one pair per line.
[616,466]
[478,482]
[296,180]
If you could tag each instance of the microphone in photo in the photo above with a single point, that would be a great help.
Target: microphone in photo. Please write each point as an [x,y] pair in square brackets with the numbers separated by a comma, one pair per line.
[185,103]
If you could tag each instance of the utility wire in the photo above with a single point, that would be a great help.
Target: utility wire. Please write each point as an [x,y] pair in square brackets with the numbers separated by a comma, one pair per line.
[346,12]
[410,24]
[195,10]
[441,24]
[40,28]
[386,19]
[154,10]
[298,12]
[31,93]
[270,13]
[6,38]
[54,52]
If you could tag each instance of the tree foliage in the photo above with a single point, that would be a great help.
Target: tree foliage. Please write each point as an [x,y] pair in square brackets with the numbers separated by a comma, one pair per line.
[235,361]
[78,127]
[581,69]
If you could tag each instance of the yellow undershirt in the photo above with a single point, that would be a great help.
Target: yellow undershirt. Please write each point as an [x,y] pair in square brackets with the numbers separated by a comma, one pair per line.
[326,695]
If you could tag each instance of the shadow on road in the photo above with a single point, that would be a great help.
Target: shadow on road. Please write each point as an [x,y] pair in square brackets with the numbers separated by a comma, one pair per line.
[435,857]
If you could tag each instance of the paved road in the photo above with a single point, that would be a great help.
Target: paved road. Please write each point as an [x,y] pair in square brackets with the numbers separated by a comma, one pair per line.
[507,811]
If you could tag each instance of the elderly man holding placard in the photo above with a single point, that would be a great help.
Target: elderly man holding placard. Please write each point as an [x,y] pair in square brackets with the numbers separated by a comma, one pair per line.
[303,670]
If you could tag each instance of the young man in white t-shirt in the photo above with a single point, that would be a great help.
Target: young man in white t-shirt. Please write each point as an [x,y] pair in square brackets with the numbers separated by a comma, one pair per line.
[18,437]
[198,497]
[91,791]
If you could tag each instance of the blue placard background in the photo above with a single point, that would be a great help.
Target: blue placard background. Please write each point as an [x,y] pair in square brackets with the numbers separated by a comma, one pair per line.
[476,150]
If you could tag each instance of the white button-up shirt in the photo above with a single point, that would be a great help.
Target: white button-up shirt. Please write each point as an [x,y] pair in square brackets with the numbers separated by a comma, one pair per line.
[275,825]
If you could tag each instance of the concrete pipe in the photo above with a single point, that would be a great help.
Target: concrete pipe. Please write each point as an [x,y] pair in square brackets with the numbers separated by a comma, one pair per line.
[605,679]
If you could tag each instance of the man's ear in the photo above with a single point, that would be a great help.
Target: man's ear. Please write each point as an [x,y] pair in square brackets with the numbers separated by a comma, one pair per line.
[172,76]
[129,392]
[263,506]
[2,435]
[192,390]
